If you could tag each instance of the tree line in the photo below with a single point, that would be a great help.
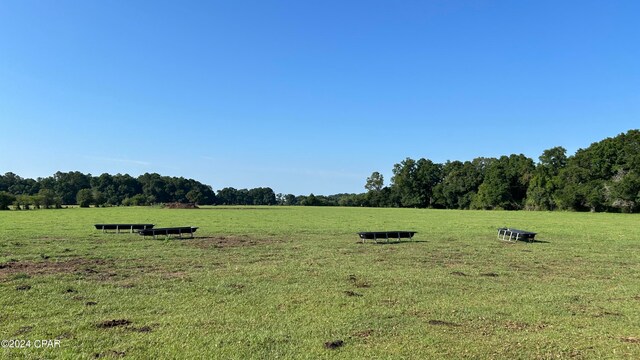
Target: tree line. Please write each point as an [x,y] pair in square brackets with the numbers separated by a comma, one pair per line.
[114,190]
[603,177]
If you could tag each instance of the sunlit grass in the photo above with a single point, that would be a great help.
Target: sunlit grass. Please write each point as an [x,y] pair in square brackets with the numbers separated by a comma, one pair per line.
[287,282]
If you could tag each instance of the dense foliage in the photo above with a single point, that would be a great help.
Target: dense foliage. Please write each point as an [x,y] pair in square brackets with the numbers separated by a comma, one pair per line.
[603,177]
[104,190]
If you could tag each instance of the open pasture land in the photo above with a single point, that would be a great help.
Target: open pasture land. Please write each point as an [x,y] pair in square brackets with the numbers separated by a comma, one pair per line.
[296,282]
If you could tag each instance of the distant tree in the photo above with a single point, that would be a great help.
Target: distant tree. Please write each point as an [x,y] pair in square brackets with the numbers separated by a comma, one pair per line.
[124,186]
[49,199]
[375,182]
[290,199]
[154,188]
[429,175]
[6,199]
[505,183]
[17,185]
[403,183]
[67,185]
[98,197]
[310,200]
[84,197]
[195,196]
[353,200]
[262,196]
[227,196]
[5,181]
[243,198]
[38,201]
[136,200]
[23,202]
[624,191]
[374,197]
[460,183]
[108,190]
[413,182]
[544,183]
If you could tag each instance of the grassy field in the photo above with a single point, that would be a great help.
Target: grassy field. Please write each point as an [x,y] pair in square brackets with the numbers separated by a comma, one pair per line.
[295,282]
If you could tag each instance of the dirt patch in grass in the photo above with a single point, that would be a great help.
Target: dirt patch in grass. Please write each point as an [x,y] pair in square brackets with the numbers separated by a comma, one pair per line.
[606,313]
[110,354]
[363,333]
[78,265]
[23,330]
[177,205]
[23,287]
[352,293]
[490,274]
[521,326]
[516,325]
[226,242]
[107,324]
[631,339]
[459,273]
[358,282]
[143,329]
[446,259]
[442,323]
[333,344]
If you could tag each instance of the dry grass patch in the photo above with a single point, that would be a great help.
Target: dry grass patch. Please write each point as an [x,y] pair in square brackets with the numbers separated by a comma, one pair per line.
[227,242]
[77,265]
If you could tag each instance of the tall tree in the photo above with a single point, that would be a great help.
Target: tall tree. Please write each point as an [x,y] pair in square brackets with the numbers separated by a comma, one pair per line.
[6,199]
[544,184]
[84,197]
[505,184]
[67,185]
[460,183]
[413,181]
[375,182]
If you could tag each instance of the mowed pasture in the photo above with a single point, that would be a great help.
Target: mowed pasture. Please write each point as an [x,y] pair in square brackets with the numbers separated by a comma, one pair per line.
[296,282]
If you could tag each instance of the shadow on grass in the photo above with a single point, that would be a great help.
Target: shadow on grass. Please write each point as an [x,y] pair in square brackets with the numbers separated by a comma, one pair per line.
[394,242]
[526,241]
[540,241]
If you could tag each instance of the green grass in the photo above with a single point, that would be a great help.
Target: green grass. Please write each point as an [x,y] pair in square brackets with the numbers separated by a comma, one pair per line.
[271,282]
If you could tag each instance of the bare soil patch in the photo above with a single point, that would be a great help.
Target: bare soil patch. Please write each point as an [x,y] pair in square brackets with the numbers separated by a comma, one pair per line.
[177,205]
[23,330]
[631,339]
[606,313]
[226,241]
[516,325]
[113,323]
[364,333]
[110,354]
[78,265]
[490,274]
[333,344]
[143,329]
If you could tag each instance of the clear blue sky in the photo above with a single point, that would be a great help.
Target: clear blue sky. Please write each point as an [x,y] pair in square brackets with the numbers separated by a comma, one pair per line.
[307,96]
